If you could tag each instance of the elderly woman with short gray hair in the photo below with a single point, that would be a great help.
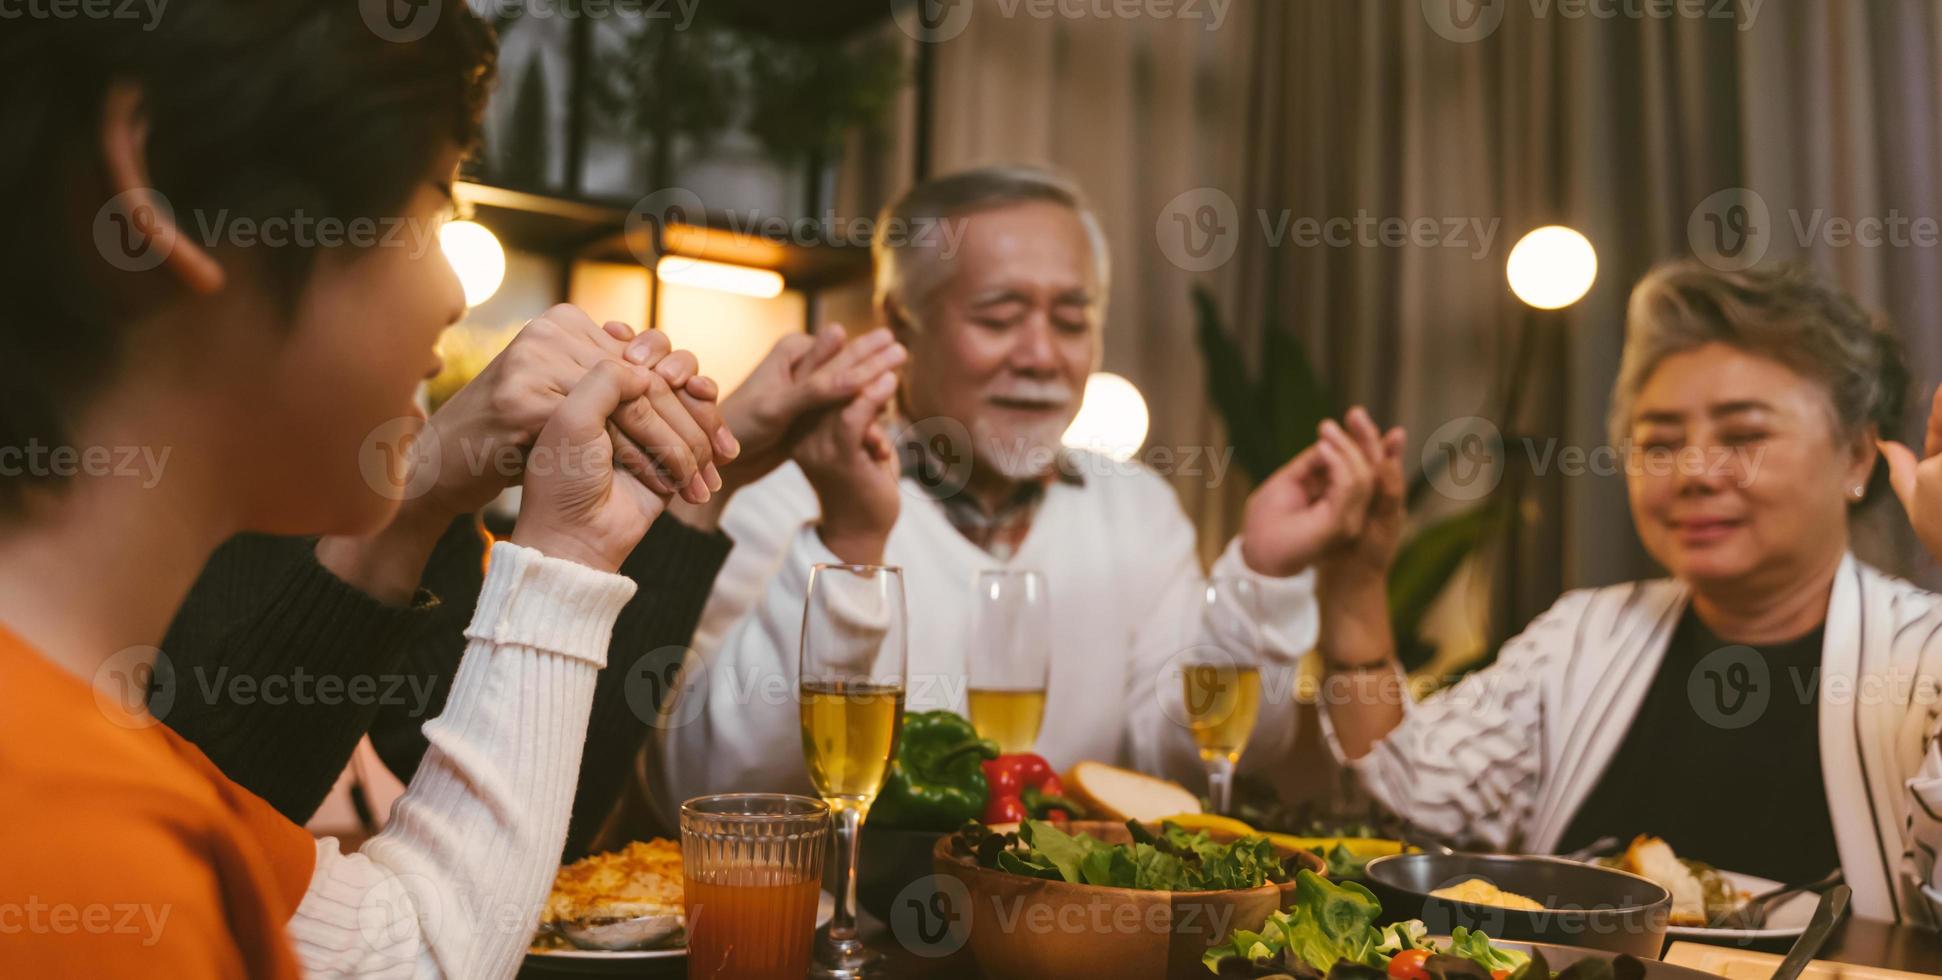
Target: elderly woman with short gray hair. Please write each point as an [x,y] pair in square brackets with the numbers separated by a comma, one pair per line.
[1770,707]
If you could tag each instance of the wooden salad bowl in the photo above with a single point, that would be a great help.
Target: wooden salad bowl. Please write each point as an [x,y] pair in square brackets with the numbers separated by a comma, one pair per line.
[1024,928]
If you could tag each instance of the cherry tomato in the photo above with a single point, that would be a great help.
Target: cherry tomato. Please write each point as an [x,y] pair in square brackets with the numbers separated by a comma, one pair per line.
[1500,975]
[1408,965]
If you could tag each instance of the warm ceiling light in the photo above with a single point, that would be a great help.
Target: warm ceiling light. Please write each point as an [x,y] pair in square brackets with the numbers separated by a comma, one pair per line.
[1112,418]
[476,256]
[1552,267]
[719,276]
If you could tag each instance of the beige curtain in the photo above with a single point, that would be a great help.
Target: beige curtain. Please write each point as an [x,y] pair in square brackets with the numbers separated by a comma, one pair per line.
[1622,128]
[1136,110]
[1343,109]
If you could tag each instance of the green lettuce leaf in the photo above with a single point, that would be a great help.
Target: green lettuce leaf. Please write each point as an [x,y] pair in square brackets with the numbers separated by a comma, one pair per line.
[1474,946]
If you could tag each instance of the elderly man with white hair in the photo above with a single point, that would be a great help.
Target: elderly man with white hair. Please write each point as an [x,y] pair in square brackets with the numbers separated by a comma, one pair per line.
[995,280]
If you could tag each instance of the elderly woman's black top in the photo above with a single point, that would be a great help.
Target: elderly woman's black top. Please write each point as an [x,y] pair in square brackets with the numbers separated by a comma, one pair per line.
[1723,760]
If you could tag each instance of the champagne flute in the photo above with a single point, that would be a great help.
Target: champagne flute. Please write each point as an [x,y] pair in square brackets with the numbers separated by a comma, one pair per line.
[853,668]
[1221,686]
[1011,657]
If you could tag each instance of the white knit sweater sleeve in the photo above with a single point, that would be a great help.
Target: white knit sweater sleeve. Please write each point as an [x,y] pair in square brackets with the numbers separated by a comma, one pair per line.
[454,886]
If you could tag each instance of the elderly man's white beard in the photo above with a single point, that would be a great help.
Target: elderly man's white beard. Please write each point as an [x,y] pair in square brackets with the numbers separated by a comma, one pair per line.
[1025,450]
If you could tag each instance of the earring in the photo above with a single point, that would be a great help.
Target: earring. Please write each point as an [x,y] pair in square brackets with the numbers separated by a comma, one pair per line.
[1859,492]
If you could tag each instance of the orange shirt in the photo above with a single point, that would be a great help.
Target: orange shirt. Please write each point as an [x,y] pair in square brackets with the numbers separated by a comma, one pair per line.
[123,850]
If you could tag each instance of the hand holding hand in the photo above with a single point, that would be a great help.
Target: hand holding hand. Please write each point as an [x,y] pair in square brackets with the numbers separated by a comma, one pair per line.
[1320,503]
[801,374]
[578,504]
[847,456]
[1918,482]
[485,429]
[1370,553]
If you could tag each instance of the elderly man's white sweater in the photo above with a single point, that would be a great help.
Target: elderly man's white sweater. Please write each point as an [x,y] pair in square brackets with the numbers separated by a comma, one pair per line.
[1118,554]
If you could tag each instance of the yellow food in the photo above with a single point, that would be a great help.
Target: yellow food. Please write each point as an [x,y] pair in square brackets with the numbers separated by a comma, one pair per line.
[1362,847]
[1111,793]
[643,878]
[1211,821]
[1477,891]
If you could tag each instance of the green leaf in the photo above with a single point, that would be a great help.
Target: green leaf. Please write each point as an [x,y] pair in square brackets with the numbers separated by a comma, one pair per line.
[1474,946]
[1234,393]
[1298,399]
[1056,847]
[1014,863]
[1425,564]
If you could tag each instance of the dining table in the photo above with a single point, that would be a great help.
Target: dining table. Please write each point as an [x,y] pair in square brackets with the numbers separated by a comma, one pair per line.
[1860,942]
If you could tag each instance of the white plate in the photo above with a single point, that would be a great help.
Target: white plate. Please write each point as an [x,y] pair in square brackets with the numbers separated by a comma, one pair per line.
[1784,921]
[618,960]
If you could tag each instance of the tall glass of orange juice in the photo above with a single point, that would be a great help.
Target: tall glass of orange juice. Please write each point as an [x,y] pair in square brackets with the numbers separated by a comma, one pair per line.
[752,868]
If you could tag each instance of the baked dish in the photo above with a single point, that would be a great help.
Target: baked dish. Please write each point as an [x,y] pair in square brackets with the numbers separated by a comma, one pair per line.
[625,899]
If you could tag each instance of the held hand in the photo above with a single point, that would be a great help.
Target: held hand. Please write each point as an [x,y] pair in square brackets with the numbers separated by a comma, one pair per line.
[578,504]
[1918,482]
[1371,552]
[800,375]
[1315,505]
[848,458]
[484,430]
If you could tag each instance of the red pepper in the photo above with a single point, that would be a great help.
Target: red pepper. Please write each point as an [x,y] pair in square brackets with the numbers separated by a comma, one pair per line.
[1023,786]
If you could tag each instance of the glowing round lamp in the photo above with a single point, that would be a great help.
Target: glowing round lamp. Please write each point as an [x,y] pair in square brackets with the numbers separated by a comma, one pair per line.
[476,256]
[1552,267]
[1112,419]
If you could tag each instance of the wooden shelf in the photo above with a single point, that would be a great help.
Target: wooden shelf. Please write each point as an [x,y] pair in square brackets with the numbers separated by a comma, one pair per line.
[569,229]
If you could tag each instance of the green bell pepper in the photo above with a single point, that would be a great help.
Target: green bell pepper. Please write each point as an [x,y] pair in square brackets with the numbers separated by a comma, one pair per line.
[936,779]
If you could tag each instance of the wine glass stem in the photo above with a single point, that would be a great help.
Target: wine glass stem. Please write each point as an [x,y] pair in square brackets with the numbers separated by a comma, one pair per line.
[1220,783]
[842,925]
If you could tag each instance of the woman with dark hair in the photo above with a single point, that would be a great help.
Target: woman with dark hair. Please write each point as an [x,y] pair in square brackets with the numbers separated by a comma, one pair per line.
[1771,707]
[180,277]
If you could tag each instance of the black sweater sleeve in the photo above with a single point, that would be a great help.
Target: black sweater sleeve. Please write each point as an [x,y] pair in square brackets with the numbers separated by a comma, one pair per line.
[675,568]
[274,668]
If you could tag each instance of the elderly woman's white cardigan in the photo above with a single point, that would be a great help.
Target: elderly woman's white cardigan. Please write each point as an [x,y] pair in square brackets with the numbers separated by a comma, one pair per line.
[1505,758]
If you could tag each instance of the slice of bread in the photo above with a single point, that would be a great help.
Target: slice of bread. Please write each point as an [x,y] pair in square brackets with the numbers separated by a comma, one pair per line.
[1653,858]
[1111,793]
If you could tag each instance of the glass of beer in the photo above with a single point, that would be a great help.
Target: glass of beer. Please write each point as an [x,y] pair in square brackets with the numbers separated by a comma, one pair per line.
[752,869]
[852,673]
[1221,683]
[1011,657]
